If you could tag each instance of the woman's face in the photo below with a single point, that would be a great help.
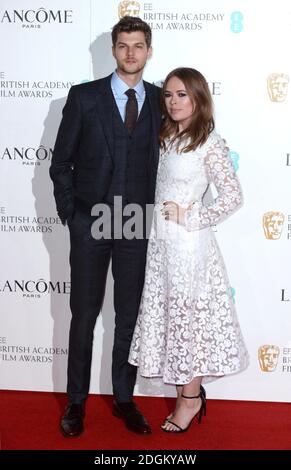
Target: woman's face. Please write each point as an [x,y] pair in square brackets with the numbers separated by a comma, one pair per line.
[178,102]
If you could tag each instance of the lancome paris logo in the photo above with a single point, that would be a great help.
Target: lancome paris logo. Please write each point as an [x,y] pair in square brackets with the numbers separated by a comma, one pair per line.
[171,20]
[34,288]
[27,156]
[273,224]
[20,88]
[36,18]
[29,353]
[27,224]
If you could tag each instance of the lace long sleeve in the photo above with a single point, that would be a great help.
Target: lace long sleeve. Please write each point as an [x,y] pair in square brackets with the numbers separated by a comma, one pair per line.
[221,173]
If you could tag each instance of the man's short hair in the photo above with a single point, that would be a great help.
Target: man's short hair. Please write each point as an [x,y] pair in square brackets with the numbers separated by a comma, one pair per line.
[129,24]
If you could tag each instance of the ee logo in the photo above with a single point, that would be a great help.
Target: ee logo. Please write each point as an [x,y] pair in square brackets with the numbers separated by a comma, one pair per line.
[236,22]
[235,159]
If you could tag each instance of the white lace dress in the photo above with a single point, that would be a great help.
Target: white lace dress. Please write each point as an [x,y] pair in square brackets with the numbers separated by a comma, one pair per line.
[187,325]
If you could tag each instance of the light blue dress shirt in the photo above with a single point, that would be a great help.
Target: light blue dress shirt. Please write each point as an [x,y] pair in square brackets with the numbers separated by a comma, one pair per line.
[119,87]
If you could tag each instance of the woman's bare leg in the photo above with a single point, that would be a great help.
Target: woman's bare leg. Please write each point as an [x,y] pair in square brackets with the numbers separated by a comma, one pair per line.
[186,408]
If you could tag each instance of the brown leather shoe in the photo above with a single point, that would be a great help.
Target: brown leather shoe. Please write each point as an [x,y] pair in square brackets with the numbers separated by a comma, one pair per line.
[132,417]
[72,422]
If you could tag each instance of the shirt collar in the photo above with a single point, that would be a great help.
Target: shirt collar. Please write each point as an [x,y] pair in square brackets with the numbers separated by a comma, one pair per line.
[120,87]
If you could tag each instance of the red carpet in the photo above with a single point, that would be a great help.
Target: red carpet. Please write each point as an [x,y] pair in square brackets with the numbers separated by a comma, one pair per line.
[29,420]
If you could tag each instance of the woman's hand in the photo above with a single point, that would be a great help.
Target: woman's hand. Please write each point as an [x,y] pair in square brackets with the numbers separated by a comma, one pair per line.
[172,211]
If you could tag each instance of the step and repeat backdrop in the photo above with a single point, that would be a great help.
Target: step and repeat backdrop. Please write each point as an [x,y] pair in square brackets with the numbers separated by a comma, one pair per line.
[242,48]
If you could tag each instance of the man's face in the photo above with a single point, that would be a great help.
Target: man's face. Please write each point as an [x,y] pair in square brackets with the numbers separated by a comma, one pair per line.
[131,52]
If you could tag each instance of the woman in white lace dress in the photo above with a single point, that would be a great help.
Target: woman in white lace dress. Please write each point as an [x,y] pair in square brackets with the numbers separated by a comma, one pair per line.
[187,327]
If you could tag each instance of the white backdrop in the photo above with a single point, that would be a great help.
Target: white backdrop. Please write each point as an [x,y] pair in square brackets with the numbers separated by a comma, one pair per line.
[242,47]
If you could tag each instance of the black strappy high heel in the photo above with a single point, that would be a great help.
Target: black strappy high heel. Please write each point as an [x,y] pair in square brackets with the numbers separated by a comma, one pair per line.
[202,394]
[198,415]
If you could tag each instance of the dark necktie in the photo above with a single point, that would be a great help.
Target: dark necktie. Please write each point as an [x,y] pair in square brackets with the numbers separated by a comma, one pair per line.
[131,110]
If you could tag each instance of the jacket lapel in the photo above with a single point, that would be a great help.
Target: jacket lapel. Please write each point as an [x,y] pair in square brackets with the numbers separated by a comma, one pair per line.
[105,106]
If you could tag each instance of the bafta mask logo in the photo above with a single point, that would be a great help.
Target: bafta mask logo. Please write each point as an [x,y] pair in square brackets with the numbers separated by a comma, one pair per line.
[278,86]
[128,9]
[273,224]
[268,357]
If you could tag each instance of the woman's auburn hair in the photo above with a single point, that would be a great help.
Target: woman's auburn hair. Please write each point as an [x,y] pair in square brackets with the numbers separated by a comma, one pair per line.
[202,122]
